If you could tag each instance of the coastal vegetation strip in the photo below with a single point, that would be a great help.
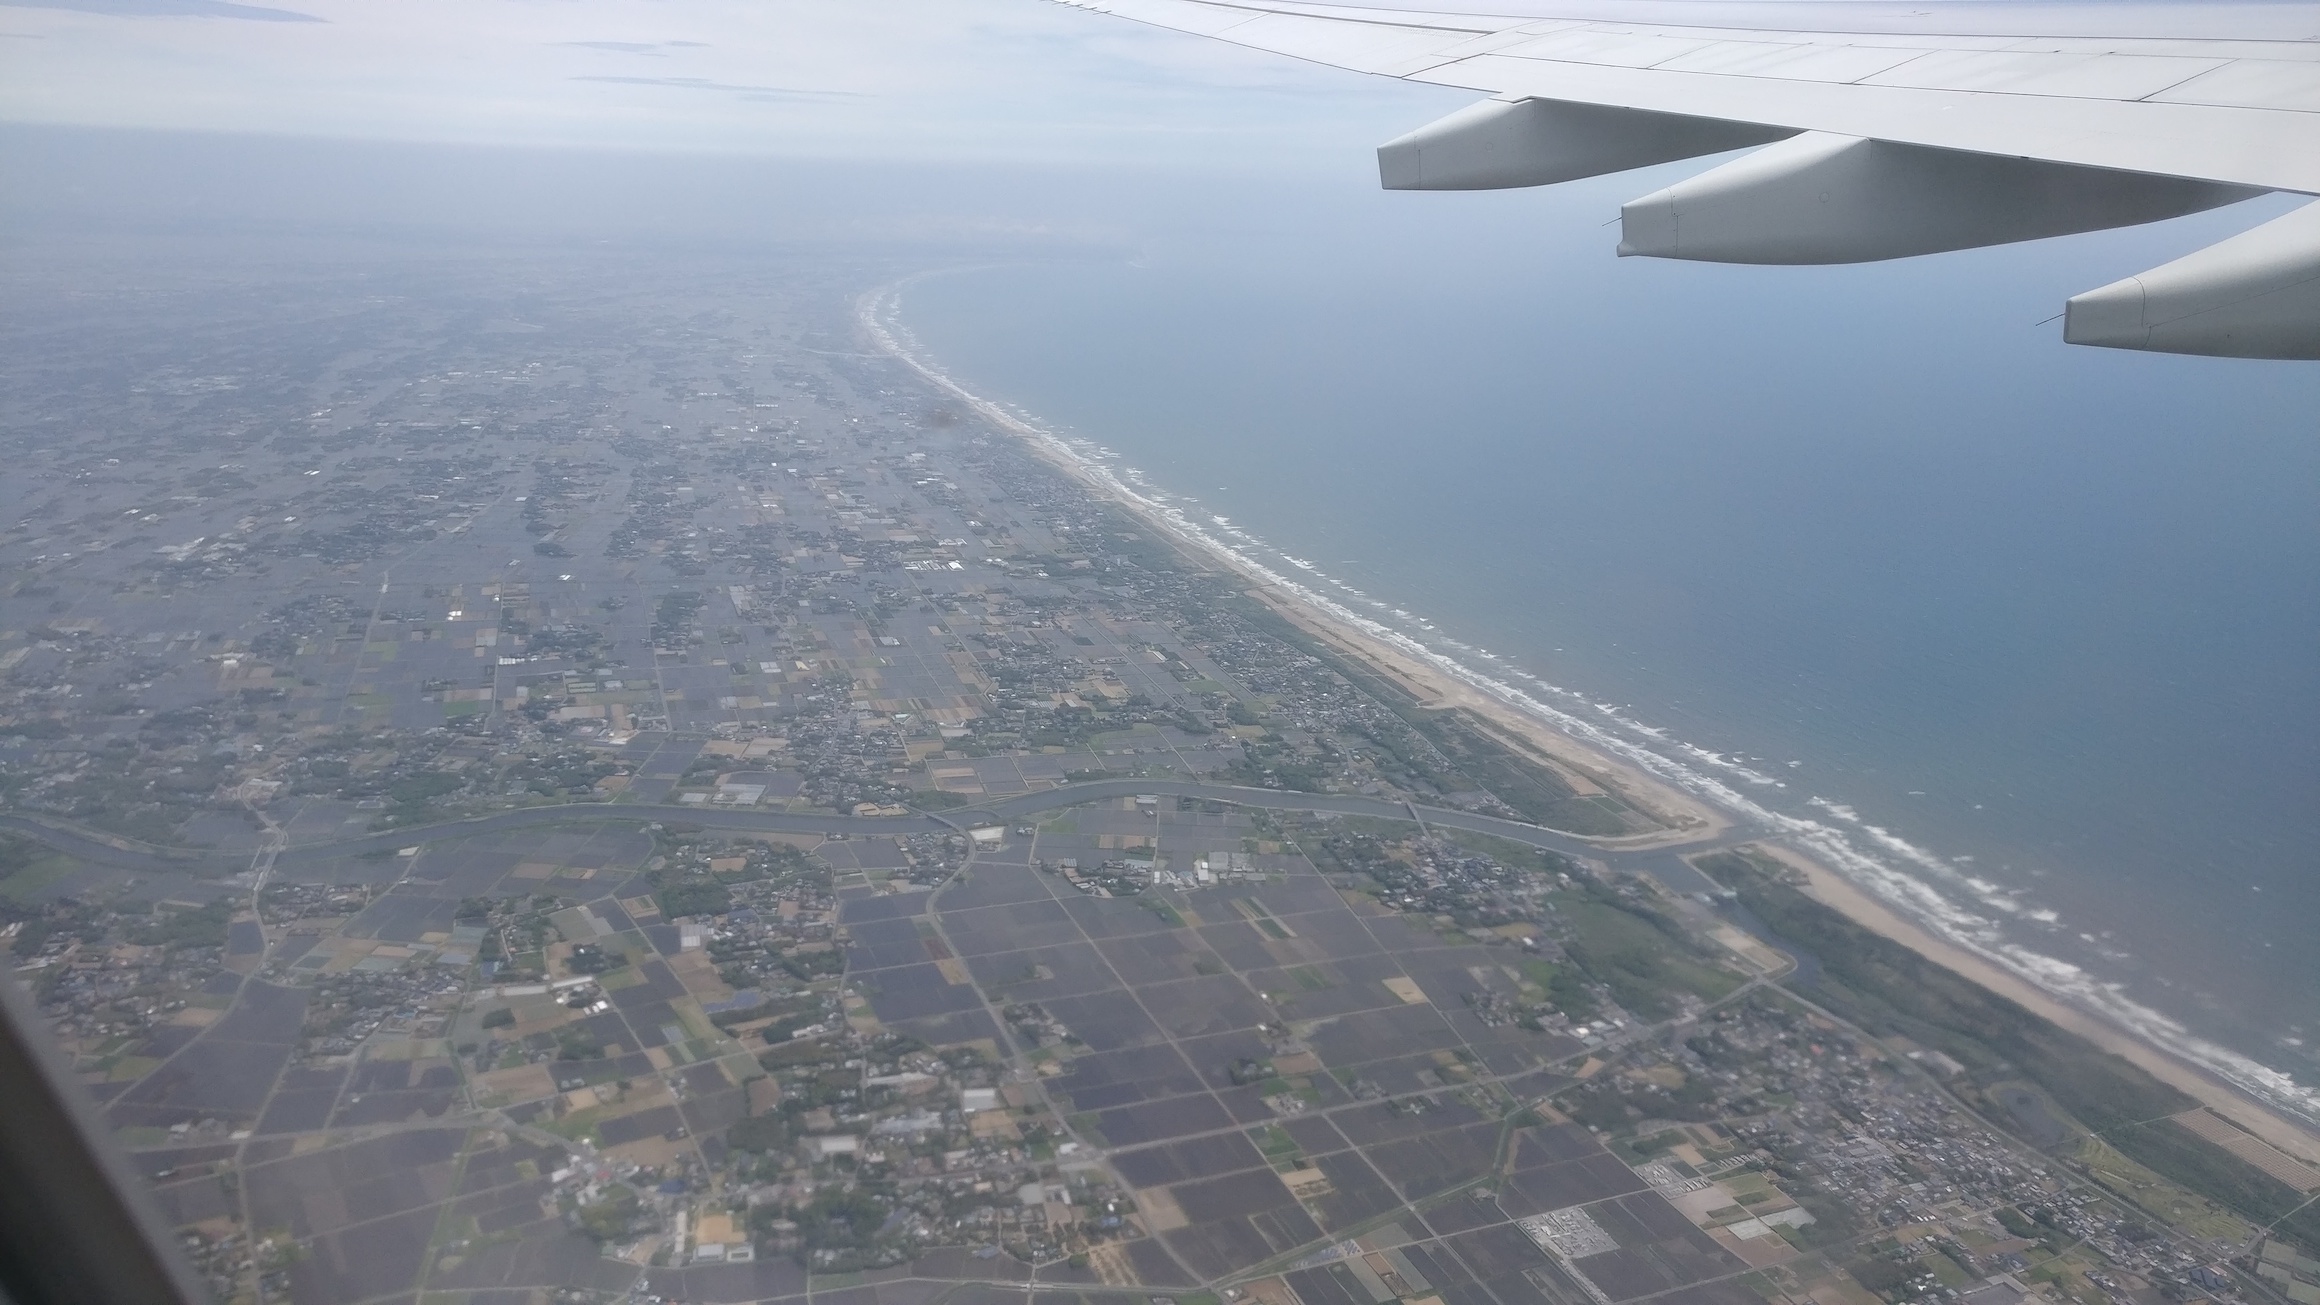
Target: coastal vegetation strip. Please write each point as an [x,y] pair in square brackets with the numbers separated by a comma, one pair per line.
[1894,992]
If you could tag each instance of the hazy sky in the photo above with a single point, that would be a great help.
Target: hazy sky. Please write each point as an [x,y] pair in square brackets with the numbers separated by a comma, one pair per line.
[898,79]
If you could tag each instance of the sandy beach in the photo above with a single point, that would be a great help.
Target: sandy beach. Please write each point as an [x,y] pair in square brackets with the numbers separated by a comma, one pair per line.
[1690,821]
[1834,891]
[1693,821]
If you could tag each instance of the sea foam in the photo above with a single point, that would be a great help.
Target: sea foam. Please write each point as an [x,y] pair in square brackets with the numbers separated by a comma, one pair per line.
[1884,865]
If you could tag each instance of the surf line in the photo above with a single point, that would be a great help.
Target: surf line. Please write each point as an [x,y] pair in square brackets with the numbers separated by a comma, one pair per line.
[878,315]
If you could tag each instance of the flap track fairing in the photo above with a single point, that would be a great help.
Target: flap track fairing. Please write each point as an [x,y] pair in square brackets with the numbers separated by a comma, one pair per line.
[1505,143]
[1822,198]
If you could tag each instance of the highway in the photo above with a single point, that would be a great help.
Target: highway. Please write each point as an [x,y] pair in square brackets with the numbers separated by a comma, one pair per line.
[1664,864]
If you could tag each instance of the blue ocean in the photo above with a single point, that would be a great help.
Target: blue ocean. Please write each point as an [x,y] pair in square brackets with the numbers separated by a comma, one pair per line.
[2033,630]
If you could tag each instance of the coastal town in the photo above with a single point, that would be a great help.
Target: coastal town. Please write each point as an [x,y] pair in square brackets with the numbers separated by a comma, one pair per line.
[645,797]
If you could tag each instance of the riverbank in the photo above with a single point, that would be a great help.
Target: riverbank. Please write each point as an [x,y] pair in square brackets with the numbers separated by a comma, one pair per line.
[1435,680]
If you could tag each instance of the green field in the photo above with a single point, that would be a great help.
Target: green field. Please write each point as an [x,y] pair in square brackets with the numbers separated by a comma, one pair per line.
[27,874]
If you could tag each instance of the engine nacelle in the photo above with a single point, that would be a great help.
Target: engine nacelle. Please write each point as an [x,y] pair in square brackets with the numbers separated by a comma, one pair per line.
[1821,198]
[1499,144]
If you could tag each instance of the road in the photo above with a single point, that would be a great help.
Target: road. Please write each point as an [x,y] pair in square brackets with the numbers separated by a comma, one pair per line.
[1664,864]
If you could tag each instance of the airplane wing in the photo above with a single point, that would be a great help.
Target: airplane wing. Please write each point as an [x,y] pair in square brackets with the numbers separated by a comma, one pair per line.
[1878,130]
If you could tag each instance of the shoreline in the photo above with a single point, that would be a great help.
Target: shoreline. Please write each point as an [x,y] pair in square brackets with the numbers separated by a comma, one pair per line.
[1839,894]
[1687,819]
[1691,820]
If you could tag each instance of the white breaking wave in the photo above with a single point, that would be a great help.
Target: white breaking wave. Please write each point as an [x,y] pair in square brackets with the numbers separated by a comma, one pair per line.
[1877,868]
